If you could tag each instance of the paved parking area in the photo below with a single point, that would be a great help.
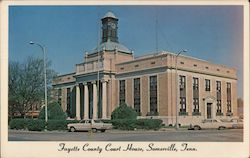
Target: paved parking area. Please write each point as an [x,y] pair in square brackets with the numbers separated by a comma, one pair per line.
[228,135]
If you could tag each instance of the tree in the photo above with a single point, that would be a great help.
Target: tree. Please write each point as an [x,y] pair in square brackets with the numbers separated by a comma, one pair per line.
[26,85]
[124,112]
[55,112]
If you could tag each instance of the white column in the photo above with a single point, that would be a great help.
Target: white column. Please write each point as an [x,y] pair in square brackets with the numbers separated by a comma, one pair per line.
[94,100]
[86,101]
[104,99]
[78,102]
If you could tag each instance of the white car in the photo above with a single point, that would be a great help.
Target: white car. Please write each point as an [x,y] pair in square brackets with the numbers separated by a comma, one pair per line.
[89,125]
[237,123]
[211,123]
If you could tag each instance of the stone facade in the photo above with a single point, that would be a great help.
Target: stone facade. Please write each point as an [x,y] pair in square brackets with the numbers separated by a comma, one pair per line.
[98,91]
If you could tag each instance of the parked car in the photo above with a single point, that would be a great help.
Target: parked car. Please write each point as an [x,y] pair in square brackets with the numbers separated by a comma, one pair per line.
[89,125]
[211,123]
[236,123]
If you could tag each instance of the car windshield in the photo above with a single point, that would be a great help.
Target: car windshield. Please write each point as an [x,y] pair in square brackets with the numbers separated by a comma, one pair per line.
[207,121]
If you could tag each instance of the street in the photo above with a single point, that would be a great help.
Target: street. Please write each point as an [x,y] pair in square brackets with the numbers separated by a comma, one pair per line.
[228,135]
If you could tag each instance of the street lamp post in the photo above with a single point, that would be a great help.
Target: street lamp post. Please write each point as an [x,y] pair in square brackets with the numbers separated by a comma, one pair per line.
[176,81]
[45,79]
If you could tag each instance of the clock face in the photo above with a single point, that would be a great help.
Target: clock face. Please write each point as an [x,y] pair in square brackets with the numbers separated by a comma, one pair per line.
[112,25]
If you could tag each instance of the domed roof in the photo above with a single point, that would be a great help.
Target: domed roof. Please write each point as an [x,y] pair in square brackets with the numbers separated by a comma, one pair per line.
[109,15]
[112,46]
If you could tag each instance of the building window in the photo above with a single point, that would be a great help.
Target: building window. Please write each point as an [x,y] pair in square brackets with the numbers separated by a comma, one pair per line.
[182,62]
[182,82]
[218,95]
[229,106]
[196,107]
[122,91]
[218,107]
[137,96]
[183,106]
[195,65]
[207,85]
[195,83]
[218,86]
[68,101]
[182,87]
[153,94]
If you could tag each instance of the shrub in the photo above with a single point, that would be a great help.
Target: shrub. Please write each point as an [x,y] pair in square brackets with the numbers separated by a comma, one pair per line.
[55,112]
[123,112]
[149,124]
[57,125]
[19,123]
[124,124]
[36,125]
[131,124]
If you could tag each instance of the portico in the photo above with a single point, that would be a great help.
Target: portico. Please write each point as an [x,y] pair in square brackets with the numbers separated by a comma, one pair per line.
[97,106]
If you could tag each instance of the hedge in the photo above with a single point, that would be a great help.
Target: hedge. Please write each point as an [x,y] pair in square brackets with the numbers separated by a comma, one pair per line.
[19,123]
[124,124]
[131,124]
[39,124]
[57,125]
[149,124]
[36,125]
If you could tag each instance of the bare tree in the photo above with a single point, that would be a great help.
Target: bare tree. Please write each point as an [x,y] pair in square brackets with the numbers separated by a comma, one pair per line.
[26,85]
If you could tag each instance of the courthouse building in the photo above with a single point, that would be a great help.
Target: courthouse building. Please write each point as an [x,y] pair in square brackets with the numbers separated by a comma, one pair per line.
[110,75]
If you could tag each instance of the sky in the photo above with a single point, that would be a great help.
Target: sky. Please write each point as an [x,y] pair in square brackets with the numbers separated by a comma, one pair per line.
[212,33]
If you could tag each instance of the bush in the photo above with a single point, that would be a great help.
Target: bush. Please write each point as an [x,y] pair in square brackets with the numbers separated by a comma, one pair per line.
[36,125]
[55,112]
[123,112]
[19,123]
[124,124]
[149,124]
[57,125]
[131,124]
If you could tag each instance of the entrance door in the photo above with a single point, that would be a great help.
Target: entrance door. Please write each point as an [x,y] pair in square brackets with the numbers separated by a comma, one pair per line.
[209,110]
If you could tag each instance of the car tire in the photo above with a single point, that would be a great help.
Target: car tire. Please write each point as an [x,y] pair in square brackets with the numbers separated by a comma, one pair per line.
[72,129]
[103,130]
[197,128]
[94,130]
[221,128]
